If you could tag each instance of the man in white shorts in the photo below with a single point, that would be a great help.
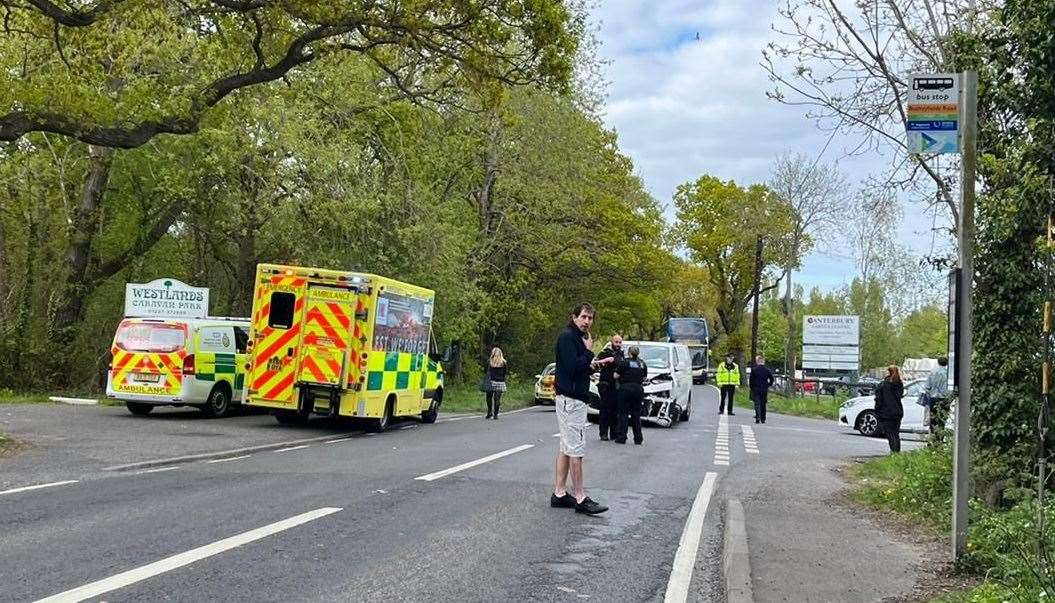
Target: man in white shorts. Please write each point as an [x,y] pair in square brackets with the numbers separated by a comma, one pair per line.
[575,363]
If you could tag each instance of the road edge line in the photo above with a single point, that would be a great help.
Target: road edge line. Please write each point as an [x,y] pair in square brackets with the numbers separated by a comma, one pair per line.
[689,544]
[736,560]
[204,456]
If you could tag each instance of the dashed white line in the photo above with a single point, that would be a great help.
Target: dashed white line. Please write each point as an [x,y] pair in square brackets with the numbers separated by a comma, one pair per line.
[292,448]
[750,444]
[721,442]
[158,470]
[94,589]
[230,458]
[685,558]
[487,459]
[39,486]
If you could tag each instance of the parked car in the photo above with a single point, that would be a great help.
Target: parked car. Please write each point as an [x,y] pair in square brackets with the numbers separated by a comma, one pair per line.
[668,387]
[545,391]
[859,413]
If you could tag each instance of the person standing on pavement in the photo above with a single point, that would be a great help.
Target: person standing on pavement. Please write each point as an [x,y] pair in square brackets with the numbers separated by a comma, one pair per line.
[575,364]
[607,386]
[937,393]
[496,378]
[631,374]
[727,378]
[888,407]
[760,381]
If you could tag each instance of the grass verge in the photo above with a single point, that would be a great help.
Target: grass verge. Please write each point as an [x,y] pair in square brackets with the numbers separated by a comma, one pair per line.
[823,407]
[8,396]
[1002,545]
[465,397]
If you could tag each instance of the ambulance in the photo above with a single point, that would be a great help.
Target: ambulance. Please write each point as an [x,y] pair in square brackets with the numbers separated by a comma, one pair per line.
[178,362]
[341,343]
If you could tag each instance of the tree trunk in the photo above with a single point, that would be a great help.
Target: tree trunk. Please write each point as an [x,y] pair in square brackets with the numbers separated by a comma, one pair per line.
[754,312]
[5,287]
[79,251]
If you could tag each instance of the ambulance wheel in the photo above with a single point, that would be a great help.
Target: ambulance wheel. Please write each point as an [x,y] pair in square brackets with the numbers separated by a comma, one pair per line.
[429,416]
[291,417]
[379,425]
[218,403]
[138,408]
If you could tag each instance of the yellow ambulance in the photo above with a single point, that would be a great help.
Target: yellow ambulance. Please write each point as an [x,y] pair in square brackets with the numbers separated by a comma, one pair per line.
[178,361]
[341,343]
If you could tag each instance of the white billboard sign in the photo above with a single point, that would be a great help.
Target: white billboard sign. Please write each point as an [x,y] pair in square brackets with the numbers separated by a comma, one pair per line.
[831,330]
[826,365]
[829,350]
[166,298]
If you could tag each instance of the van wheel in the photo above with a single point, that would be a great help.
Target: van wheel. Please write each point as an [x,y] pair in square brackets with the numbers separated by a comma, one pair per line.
[219,402]
[291,417]
[688,409]
[138,408]
[379,425]
[429,416]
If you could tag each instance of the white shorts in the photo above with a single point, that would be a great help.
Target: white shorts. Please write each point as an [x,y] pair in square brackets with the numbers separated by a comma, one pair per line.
[571,419]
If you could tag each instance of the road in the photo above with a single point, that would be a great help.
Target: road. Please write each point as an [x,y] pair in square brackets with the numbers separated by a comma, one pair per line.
[452,511]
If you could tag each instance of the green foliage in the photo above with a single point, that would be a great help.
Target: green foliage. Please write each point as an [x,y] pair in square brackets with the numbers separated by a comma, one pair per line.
[917,484]
[464,397]
[807,405]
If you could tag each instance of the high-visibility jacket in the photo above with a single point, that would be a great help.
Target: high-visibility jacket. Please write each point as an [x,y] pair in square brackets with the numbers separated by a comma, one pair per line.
[728,376]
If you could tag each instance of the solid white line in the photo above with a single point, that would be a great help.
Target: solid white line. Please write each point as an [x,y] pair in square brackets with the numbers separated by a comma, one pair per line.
[437,475]
[38,486]
[230,458]
[155,470]
[94,589]
[293,448]
[337,440]
[556,435]
[685,558]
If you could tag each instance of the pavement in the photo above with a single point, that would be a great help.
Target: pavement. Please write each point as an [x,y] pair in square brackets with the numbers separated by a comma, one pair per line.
[457,510]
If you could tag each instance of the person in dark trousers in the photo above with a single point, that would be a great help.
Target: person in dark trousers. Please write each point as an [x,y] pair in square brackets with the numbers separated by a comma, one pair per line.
[496,379]
[937,393]
[631,375]
[760,381]
[889,410]
[727,378]
[607,386]
[575,364]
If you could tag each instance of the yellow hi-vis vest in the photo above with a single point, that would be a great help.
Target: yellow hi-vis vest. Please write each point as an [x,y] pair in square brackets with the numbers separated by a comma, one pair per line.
[728,376]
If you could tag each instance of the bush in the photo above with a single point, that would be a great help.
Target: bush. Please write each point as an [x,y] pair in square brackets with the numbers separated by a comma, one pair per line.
[1006,547]
[917,484]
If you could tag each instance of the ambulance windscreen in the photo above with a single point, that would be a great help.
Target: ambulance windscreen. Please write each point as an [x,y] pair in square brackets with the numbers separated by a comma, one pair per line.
[150,337]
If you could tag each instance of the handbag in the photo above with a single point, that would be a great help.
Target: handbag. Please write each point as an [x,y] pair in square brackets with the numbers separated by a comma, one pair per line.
[485,384]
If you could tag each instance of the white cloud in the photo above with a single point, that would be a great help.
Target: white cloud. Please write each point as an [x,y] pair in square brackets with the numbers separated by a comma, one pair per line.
[684,105]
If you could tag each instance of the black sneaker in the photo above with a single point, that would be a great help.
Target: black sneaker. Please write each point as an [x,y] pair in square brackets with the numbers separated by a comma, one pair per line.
[604,438]
[589,507]
[563,502]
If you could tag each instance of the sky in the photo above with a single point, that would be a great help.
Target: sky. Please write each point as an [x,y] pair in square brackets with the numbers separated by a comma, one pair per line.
[686,96]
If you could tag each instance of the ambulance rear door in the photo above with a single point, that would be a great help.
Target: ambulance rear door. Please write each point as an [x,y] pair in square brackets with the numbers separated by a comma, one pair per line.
[328,340]
[278,319]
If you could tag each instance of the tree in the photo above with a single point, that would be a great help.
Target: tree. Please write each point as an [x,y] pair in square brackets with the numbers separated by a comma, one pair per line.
[848,64]
[814,191]
[132,70]
[719,224]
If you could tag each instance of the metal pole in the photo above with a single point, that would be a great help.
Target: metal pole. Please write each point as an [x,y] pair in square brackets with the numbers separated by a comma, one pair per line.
[962,443]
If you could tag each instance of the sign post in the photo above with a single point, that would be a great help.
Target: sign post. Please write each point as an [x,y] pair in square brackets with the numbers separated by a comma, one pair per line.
[831,343]
[165,298]
[933,121]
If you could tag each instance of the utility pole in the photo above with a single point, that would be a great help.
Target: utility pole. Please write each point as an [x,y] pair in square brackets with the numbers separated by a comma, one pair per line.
[962,443]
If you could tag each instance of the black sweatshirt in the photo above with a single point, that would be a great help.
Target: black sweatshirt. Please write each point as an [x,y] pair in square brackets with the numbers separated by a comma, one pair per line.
[572,375]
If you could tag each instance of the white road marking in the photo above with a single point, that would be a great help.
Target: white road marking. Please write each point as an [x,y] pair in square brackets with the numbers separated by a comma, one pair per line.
[685,558]
[750,444]
[292,448]
[230,458]
[487,459]
[721,442]
[158,470]
[94,589]
[39,486]
[556,435]
[337,440]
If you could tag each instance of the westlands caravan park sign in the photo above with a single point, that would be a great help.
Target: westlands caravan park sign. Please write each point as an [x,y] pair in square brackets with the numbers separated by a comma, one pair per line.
[166,298]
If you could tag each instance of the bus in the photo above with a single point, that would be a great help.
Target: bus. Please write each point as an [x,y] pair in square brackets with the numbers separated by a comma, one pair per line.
[695,333]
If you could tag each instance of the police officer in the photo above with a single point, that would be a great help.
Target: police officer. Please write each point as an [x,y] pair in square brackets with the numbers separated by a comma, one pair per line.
[607,386]
[631,374]
[727,379]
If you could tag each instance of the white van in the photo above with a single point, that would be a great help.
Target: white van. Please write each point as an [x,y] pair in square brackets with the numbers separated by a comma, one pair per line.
[668,387]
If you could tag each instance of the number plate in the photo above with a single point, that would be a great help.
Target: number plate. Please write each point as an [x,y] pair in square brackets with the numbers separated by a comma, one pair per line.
[145,378]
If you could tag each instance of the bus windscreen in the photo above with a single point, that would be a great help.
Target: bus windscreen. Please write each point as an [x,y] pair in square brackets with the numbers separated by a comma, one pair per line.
[688,329]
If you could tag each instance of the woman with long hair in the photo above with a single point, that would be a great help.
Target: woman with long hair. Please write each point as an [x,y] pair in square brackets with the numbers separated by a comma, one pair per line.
[889,410]
[496,379]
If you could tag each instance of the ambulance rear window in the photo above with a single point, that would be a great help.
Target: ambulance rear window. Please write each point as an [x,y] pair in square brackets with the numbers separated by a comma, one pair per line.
[150,337]
[281,314]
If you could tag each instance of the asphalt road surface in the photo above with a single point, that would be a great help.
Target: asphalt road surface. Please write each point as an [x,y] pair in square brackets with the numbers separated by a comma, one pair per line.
[452,511]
